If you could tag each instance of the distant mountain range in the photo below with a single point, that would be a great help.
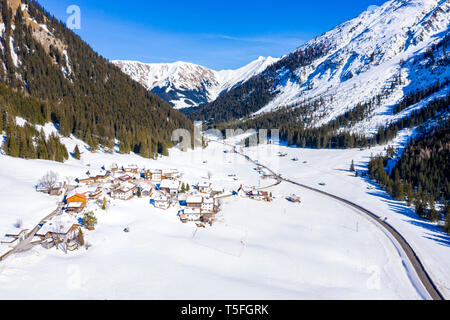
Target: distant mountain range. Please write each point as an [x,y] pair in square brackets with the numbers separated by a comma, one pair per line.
[186,85]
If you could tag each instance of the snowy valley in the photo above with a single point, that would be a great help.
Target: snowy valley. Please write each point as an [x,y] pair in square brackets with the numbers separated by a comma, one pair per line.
[239,252]
[349,199]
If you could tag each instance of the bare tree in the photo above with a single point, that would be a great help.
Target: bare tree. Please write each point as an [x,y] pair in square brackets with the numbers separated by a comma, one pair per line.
[57,235]
[49,181]
[219,205]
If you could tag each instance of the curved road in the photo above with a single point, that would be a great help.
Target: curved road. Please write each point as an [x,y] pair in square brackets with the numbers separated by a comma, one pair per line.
[414,260]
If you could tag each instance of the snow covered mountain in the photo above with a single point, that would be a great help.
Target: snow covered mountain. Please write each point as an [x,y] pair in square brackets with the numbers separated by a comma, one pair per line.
[385,53]
[185,84]
[55,76]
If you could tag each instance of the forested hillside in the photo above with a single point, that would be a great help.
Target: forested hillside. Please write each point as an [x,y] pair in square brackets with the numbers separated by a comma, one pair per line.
[50,74]
[421,175]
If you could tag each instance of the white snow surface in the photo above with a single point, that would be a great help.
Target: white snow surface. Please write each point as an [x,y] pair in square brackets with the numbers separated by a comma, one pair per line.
[14,56]
[331,167]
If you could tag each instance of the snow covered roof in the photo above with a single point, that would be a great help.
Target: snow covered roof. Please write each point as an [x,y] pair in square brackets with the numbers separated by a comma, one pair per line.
[75,205]
[126,187]
[59,225]
[204,184]
[98,173]
[42,187]
[7,239]
[145,187]
[15,232]
[76,192]
[170,184]
[194,199]
[170,171]
[86,190]
[189,211]
[160,197]
[125,177]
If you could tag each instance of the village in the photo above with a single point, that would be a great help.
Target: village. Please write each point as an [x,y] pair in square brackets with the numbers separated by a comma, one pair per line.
[198,203]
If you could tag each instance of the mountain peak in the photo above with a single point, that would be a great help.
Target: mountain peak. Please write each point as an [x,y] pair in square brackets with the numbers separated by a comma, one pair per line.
[381,55]
[185,84]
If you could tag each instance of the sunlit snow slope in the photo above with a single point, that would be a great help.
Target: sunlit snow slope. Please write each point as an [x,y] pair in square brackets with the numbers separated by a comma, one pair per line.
[185,84]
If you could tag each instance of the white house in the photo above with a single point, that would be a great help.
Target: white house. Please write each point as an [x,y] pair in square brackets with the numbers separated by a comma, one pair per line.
[161,202]
[170,186]
[56,190]
[243,191]
[124,192]
[208,205]
[204,187]
[193,214]
[64,228]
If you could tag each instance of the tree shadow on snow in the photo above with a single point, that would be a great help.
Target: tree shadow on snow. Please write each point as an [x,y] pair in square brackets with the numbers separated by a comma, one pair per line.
[434,233]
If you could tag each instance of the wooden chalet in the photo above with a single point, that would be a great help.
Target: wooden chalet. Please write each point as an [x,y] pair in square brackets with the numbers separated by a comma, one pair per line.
[153,175]
[124,192]
[75,207]
[98,177]
[194,202]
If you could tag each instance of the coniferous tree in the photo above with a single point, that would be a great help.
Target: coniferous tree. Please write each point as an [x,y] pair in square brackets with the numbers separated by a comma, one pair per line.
[434,215]
[13,149]
[419,206]
[76,153]
[398,190]
[446,210]
[409,194]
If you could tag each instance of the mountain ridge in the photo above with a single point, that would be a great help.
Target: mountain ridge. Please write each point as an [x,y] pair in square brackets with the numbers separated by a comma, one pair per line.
[185,84]
[385,53]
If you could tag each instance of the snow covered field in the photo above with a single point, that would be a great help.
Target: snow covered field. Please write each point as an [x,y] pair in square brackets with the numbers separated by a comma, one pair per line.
[332,168]
[319,249]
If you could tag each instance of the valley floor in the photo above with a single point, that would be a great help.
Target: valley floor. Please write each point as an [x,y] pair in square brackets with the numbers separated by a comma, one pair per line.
[331,168]
[318,249]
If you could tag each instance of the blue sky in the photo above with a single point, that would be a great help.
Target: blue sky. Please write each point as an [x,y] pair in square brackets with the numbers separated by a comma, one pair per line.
[216,34]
